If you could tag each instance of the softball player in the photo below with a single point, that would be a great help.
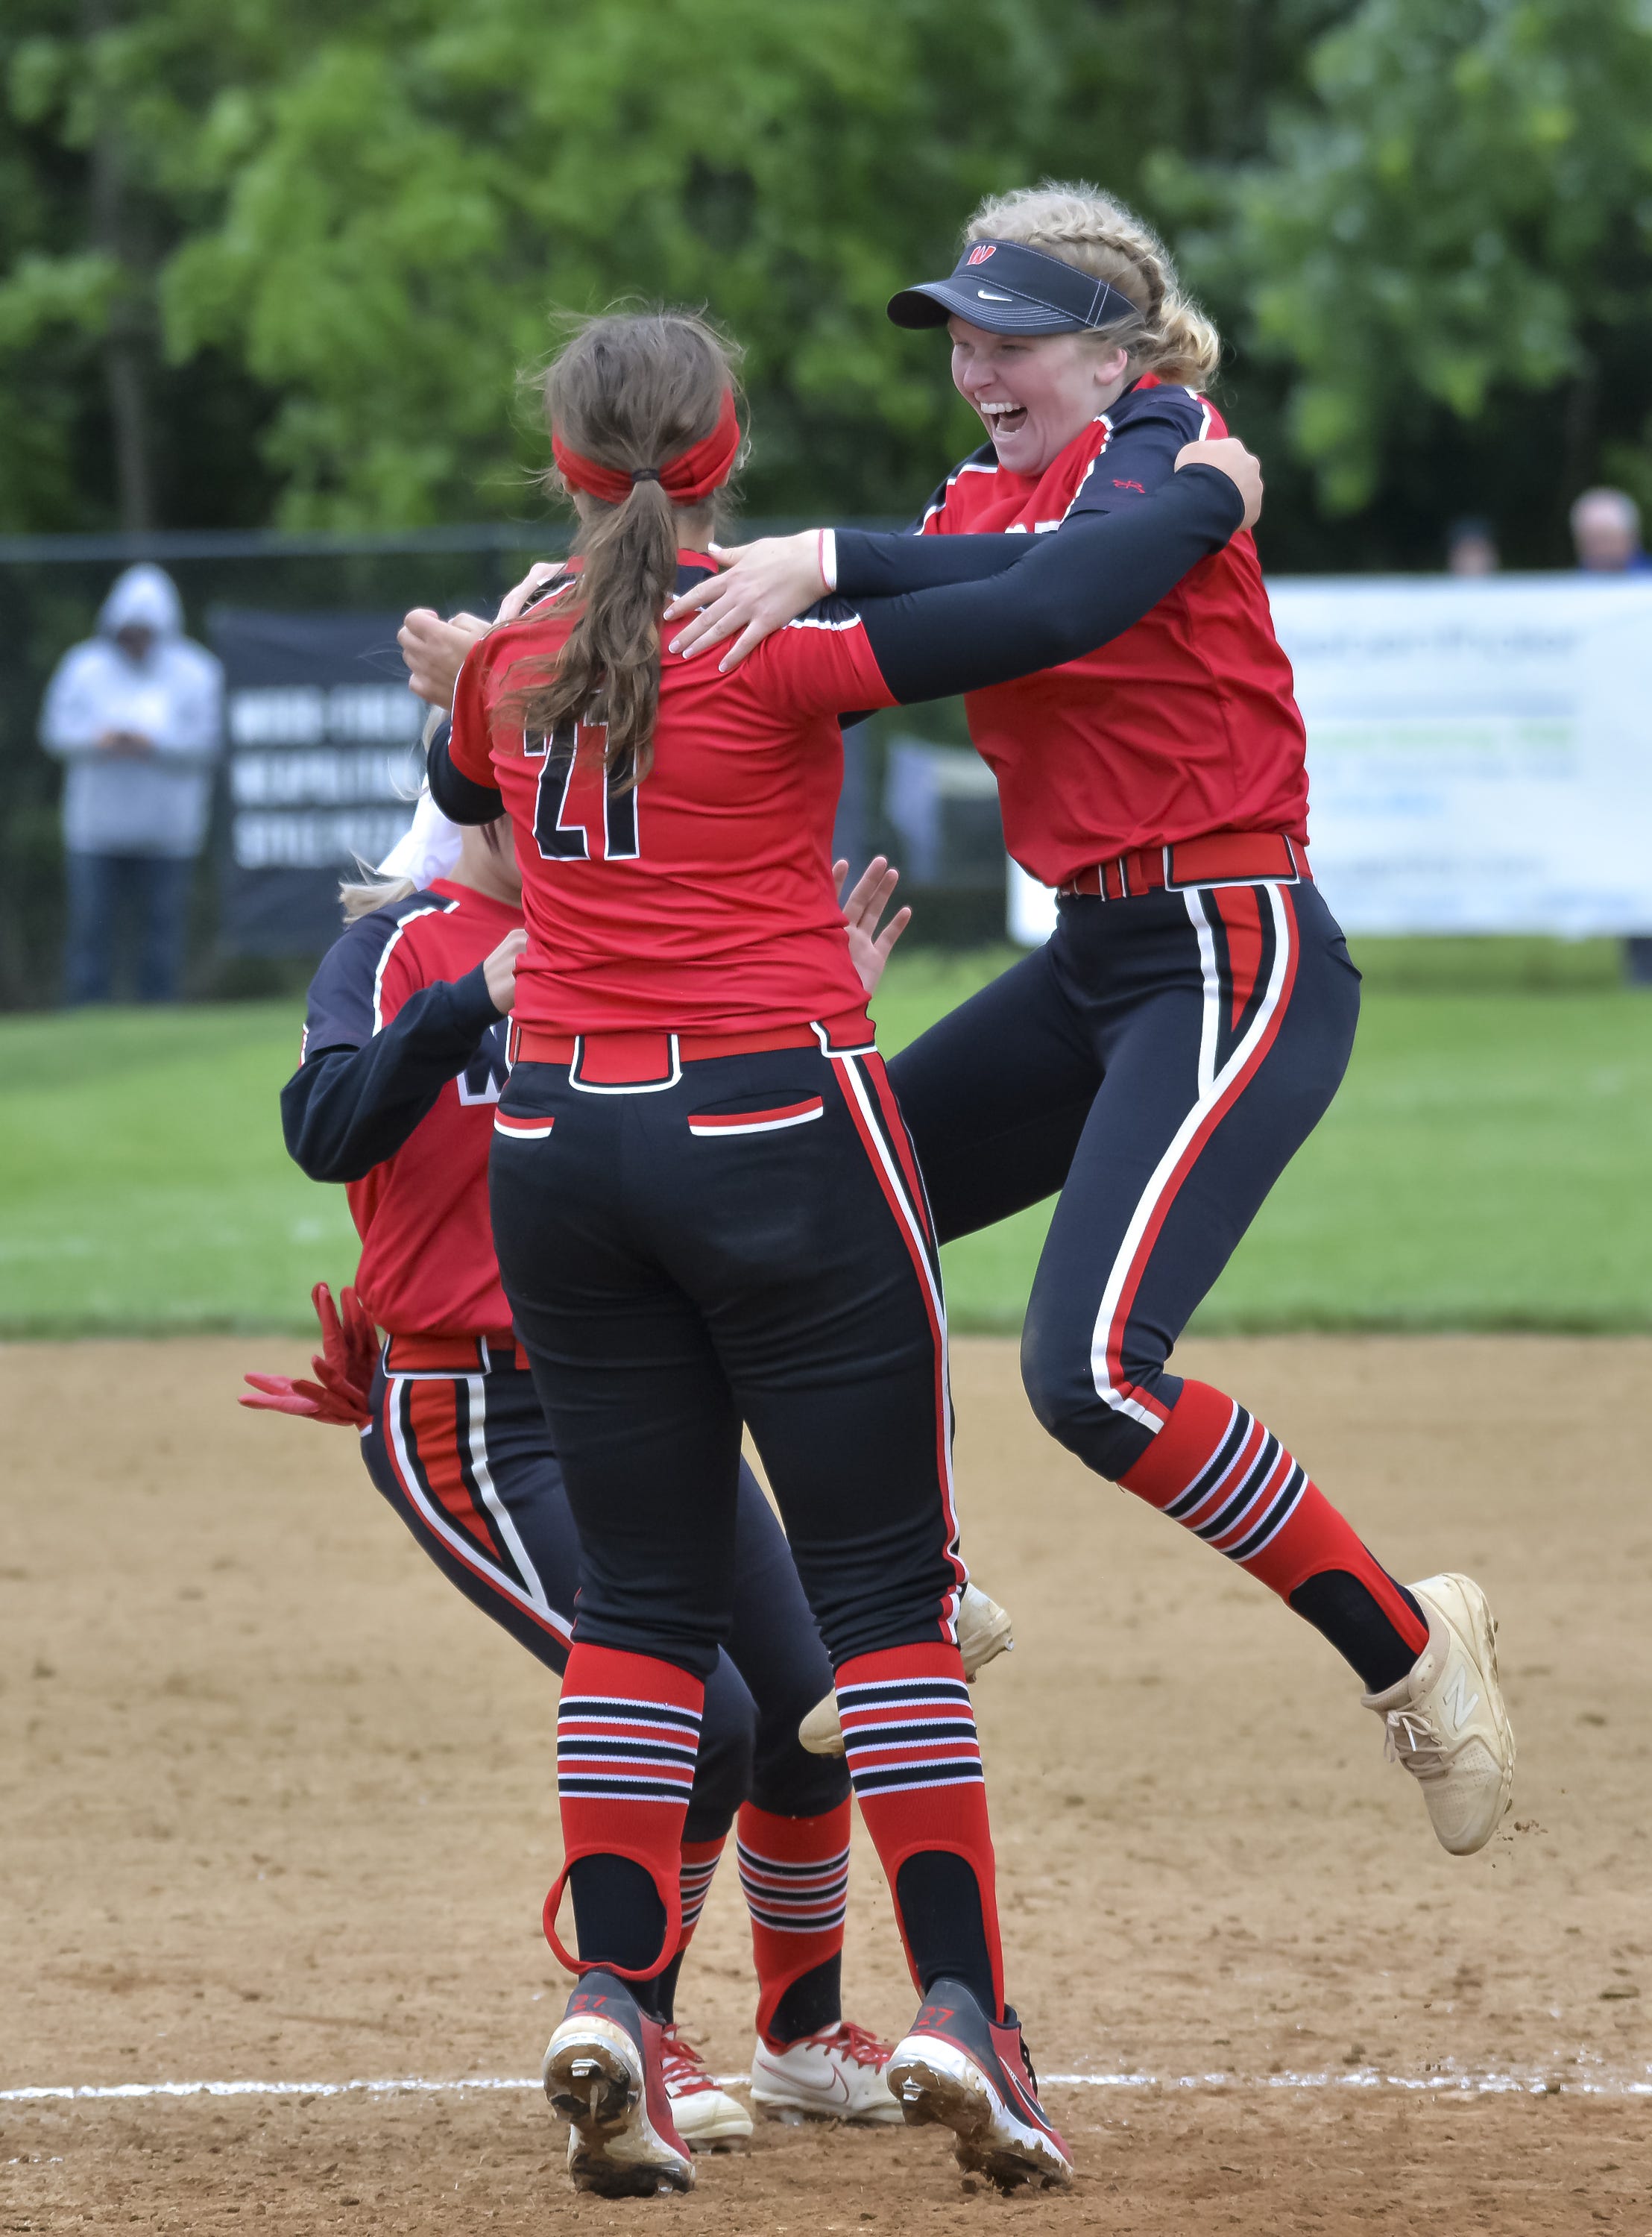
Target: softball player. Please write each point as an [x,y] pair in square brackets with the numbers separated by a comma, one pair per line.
[1163,1058]
[402,1064]
[706,1212]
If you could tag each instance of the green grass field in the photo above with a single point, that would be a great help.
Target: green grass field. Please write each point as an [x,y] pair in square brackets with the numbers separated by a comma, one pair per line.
[1485,1166]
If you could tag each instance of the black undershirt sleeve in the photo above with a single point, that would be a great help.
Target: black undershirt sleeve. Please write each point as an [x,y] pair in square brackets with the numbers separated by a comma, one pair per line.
[876,564]
[459,797]
[347,1110]
[1063,597]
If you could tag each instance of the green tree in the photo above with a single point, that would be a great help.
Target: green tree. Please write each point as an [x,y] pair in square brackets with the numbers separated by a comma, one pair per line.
[1446,249]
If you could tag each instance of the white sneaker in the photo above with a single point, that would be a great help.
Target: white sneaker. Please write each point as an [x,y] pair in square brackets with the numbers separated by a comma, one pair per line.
[602,2074]
[1445,1718]
[985,1631]
[837,2074]
[708,2118]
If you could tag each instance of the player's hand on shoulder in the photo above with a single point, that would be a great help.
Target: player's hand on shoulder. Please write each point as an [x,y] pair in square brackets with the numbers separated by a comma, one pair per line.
[1229,455]
[870,949]
[434,652]
[761,587]
[523,594]
[500,971]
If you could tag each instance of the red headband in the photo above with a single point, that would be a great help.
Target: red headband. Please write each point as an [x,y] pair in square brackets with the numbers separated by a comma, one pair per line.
[692,475]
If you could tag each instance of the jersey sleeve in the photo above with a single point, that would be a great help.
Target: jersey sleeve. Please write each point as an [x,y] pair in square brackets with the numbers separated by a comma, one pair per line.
[469,741]
[1140,455]
[1071,593]
[822,663]
[339,1013]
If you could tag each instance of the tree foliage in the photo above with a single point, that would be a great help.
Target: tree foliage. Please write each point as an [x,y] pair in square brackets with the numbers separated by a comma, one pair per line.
[299,254]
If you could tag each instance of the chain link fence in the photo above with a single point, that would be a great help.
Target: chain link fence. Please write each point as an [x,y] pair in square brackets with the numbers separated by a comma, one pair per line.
[52,587]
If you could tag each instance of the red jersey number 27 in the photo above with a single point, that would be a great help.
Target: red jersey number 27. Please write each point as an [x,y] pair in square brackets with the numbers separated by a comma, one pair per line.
[581,813]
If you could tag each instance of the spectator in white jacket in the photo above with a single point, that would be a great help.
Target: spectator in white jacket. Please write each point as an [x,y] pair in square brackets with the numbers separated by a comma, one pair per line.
[136,713]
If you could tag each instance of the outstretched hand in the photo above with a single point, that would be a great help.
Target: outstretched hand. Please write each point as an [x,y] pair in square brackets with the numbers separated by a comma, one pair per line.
[434,652]
[343,1367]
[870,949]
[762,586]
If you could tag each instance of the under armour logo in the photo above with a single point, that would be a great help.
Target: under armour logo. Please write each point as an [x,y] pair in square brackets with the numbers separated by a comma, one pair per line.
[1459,1699]
[980,253]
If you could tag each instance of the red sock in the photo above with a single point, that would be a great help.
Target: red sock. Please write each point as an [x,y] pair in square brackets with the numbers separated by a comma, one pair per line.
[795,1873]
[1219,1470]
[627,1732]
[699,1860]
[915,1764]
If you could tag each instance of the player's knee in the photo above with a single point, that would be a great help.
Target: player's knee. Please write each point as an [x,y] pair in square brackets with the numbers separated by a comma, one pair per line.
[1061,1389]
[727,1744]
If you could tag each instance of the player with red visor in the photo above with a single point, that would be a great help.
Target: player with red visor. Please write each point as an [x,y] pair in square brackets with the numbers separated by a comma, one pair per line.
[1163,1058]
[707,1209]
[404,1058]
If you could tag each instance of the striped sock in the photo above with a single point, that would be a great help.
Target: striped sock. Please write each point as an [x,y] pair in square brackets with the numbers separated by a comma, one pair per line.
[795,1873]
[1216,1468]
[699,1860]
[627,1732]
[915,1764]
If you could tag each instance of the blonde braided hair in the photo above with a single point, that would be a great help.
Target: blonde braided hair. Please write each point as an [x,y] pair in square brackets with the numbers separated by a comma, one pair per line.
[1170,335]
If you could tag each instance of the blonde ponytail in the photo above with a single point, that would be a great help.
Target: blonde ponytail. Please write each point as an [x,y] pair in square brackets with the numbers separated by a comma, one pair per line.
[1170,335]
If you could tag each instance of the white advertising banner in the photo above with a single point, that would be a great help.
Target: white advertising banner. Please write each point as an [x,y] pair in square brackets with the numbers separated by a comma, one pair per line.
[1479,752]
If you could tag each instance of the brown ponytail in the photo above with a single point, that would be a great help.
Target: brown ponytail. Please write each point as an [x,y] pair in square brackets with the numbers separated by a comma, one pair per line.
[630,391]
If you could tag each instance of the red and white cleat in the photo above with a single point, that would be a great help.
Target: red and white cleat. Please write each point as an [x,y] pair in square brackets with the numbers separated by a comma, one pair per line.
[706,2117]
[837,2074]
[964,2072]
[605,2073]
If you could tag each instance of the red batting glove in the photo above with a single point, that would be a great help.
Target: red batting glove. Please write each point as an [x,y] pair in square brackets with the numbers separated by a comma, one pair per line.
[344,1369]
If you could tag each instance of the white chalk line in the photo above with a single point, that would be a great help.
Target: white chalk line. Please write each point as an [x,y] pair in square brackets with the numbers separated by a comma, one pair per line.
[1568,2080]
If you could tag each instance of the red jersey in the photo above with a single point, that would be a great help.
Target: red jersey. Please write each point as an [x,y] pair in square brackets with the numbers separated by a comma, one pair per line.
[701,899]
[1186,723]
[427,1261]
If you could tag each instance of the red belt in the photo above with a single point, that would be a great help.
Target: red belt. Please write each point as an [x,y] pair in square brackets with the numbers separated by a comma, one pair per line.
[1221,858]
[653,1060]
[453,1355]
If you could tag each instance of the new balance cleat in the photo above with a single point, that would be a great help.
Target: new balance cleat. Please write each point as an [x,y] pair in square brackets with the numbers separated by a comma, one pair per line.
[963,2071]
[706,2117]
[1445,1718]
[836,2074]
[985,1631]
[605,2073]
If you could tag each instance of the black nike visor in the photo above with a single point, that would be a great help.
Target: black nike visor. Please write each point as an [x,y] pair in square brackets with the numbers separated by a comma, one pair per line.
[1010,289]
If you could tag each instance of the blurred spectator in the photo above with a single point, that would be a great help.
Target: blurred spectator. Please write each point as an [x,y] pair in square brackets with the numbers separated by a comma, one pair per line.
[1471,547]
[136,713]
[1606,530]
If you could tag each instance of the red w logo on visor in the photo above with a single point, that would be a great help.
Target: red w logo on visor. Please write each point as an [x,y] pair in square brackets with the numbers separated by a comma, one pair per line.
[980,253]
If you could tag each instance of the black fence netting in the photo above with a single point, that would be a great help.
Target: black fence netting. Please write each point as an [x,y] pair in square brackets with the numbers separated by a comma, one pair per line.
[321,742]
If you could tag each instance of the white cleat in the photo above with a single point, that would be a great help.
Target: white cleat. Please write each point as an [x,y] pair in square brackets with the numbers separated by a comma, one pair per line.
[603,2072]
[985,1631]
[837,2074]
[708,2118]
[1446,1719]
[957,2070]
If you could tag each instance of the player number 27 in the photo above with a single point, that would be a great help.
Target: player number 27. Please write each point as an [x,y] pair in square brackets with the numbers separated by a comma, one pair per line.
[582,812]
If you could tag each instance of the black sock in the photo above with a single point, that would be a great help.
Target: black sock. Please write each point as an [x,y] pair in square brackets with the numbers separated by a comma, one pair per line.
[940,1908]
[618,1917]
[663,2003]
[1348,1612]
[813,2000]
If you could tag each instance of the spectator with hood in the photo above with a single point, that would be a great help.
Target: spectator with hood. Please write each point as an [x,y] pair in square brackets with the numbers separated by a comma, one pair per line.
[135,712]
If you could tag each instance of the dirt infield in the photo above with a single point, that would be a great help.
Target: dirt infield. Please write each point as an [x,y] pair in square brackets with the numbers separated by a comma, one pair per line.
[276,1806]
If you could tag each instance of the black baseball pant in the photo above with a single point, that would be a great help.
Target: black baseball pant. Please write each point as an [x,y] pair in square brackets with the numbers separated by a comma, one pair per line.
[745,1242]
[1159,1062]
